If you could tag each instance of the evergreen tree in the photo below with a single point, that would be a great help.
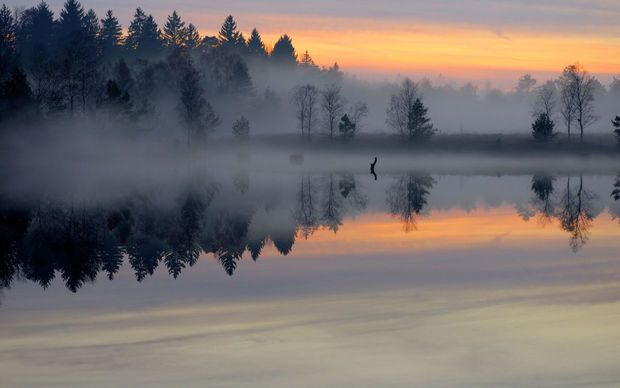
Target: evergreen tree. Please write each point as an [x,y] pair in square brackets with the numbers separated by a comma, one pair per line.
[192,37]
[256,47]
[143,36]
[36,26]
[15,94]
[197,115]
[123,77]
[419,125]
[346,127]
[70,24]
[117,101]
[616,123]
[229,37]
[174,34]
[542,128]
[151,37]
[71,46]
[306,61]
[136,27]
[91,26]
[36,55]
[110,35]
[284,51]
[7,40]
[88,57]
[334,72]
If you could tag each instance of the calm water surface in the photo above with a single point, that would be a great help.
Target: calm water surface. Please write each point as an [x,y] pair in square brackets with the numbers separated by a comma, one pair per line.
[314,279]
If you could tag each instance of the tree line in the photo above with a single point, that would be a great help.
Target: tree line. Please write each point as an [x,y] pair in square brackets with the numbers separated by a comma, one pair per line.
[76,63]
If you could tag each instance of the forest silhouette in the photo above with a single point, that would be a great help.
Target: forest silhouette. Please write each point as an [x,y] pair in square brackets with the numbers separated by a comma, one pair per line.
[44,240]
[75,65]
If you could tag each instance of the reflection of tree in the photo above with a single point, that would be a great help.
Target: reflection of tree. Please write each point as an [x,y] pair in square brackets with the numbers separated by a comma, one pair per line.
[228,240]
[305,213]
[66,240]
[283,238]
[183,243]
[331,205]
[542,186]
[576,214]
[616,193]
[350,191]
[13,226]
[78,243]
[145,246]
[614,210]
[408,196]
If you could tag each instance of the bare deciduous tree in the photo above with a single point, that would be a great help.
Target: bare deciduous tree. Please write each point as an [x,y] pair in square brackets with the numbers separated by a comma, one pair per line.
[305,97]
[332,106]
[546,99]
[401,104]
[357,113]
[578,88]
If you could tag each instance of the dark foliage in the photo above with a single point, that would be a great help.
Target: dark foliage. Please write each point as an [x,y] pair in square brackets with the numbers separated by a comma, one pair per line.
[542,128]
[616,123]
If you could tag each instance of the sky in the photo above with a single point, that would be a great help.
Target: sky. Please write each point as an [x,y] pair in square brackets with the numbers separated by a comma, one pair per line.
[479,40]
[458,39]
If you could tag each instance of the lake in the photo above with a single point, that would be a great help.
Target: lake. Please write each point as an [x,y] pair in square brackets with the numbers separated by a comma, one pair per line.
[305,277]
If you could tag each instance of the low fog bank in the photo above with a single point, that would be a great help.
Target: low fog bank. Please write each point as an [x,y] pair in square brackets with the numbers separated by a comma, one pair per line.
[83,163]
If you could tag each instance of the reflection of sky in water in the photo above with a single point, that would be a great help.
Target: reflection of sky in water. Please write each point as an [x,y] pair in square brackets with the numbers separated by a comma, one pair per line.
[472,296]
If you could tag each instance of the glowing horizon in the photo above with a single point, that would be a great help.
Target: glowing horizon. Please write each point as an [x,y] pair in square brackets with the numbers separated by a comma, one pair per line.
[478,40]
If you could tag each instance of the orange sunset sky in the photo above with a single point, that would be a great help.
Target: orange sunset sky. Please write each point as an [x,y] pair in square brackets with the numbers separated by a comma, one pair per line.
[460,40]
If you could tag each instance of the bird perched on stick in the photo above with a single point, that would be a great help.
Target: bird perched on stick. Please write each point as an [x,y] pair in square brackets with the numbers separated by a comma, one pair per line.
[372,168]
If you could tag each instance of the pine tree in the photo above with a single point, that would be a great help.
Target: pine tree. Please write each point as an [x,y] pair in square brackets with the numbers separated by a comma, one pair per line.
[117,101]
[616,123]
[71,23]
[229,37]
[110,35]
[88,57]
[143,36]
[284,51]
[334,72]
[307,61]
[7,40]
[71,51]
[419,125]
[123,77]
[192,37]
[256,47]
[136,27]
[346,127]
[542,128]
[197,115]
[15,94]
[174,34]
[37,56]
[151,36]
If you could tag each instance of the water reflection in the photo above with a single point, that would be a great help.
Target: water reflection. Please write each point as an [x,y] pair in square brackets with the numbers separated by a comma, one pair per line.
[46,239]
[407,198]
